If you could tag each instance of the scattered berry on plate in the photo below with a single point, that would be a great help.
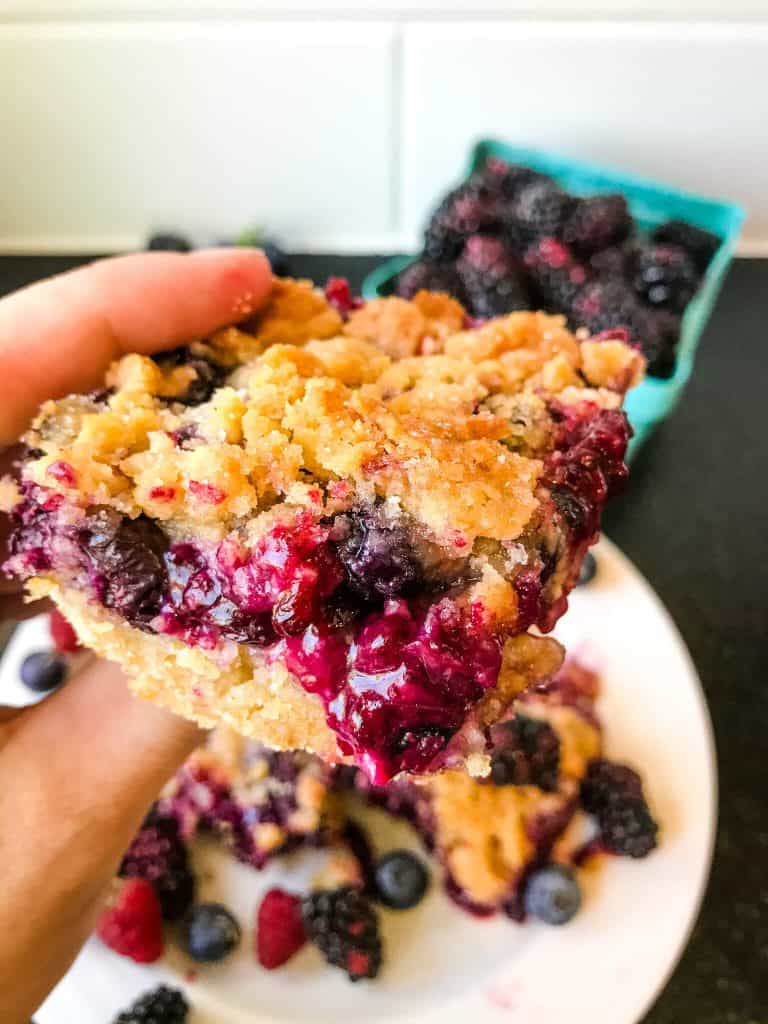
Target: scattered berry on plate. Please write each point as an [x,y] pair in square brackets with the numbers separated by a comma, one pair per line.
[401,880]
[613,793]
[43,671]
[588,570]
[163,1005]
[159,855]
[526,753]
[63,635]
[210,932]
[665,277]
[552,894]
[279,928]
[700,245]
[168,242]
[131,924]
[344,926]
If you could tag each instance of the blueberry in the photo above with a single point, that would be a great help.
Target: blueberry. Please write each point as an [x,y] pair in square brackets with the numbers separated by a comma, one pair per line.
[588,570]
[277,258]
[167,242]
[401,880]
[210,932]
[553,894]
[43,671]
[378,554]
[126,559]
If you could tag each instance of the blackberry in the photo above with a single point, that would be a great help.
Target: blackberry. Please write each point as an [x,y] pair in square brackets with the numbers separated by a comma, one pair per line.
[465,211]
[159,855]
[661,361]
[344,926]
[434,277]
[613,793]
[596,223]
[700,245]
[603,305]
[163,1005]
[491,277]
[527,753]
[378,554]
[555,275]
[615,261]
[507,179]
[208,376]
[665,277]
[126,559]
[539,210]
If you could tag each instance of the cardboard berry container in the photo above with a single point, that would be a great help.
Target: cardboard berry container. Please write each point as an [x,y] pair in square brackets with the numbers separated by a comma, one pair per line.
[650,203]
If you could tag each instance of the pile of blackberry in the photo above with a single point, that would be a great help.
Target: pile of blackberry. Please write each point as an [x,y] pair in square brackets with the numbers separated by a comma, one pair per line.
[511,238]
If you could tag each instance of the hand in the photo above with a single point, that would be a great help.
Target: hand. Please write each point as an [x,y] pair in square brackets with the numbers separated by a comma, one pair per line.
[79,771]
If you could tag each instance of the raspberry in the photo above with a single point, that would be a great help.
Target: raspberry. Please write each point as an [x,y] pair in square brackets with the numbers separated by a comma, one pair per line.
[468,209]
[491,277]
[434,277]
[62,634]
[132,923]
[613,793]
[159,855]
[665,277]
[163,1005]
[339,295]
[700,245]
[344,926]
[279,929]
[538,211]
[596,223]
[555,274]
[526,753]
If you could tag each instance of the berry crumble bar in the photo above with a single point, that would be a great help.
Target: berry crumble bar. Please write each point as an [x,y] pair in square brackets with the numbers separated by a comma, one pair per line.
[331,527]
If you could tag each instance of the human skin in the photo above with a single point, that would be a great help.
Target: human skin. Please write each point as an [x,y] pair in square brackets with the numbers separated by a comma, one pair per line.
[79,770]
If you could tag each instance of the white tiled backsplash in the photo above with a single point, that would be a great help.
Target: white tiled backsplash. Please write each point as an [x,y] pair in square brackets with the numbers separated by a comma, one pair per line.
[335,125]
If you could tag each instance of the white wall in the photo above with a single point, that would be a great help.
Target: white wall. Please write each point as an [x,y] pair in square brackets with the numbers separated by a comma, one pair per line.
[336,123]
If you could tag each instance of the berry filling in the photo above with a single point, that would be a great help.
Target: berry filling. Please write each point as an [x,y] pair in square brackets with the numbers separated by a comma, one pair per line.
[370,617]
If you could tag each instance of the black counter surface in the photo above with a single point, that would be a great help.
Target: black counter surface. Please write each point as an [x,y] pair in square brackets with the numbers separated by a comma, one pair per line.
[694,519]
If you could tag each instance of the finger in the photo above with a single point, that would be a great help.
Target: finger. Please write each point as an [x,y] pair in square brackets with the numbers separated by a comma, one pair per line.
[60,335]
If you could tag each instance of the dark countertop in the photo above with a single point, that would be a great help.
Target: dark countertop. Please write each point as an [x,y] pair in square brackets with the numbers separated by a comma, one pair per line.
[694,519]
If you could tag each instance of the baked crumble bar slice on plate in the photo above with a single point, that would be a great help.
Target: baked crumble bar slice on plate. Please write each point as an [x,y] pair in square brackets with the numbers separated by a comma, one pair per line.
[489,834]
[324,528]
[259,802]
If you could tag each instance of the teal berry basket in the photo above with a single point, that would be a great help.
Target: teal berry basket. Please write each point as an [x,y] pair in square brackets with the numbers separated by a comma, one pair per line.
[650,203]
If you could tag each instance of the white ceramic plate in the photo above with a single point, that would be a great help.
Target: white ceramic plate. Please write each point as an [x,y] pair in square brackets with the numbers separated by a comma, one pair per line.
[442,966]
